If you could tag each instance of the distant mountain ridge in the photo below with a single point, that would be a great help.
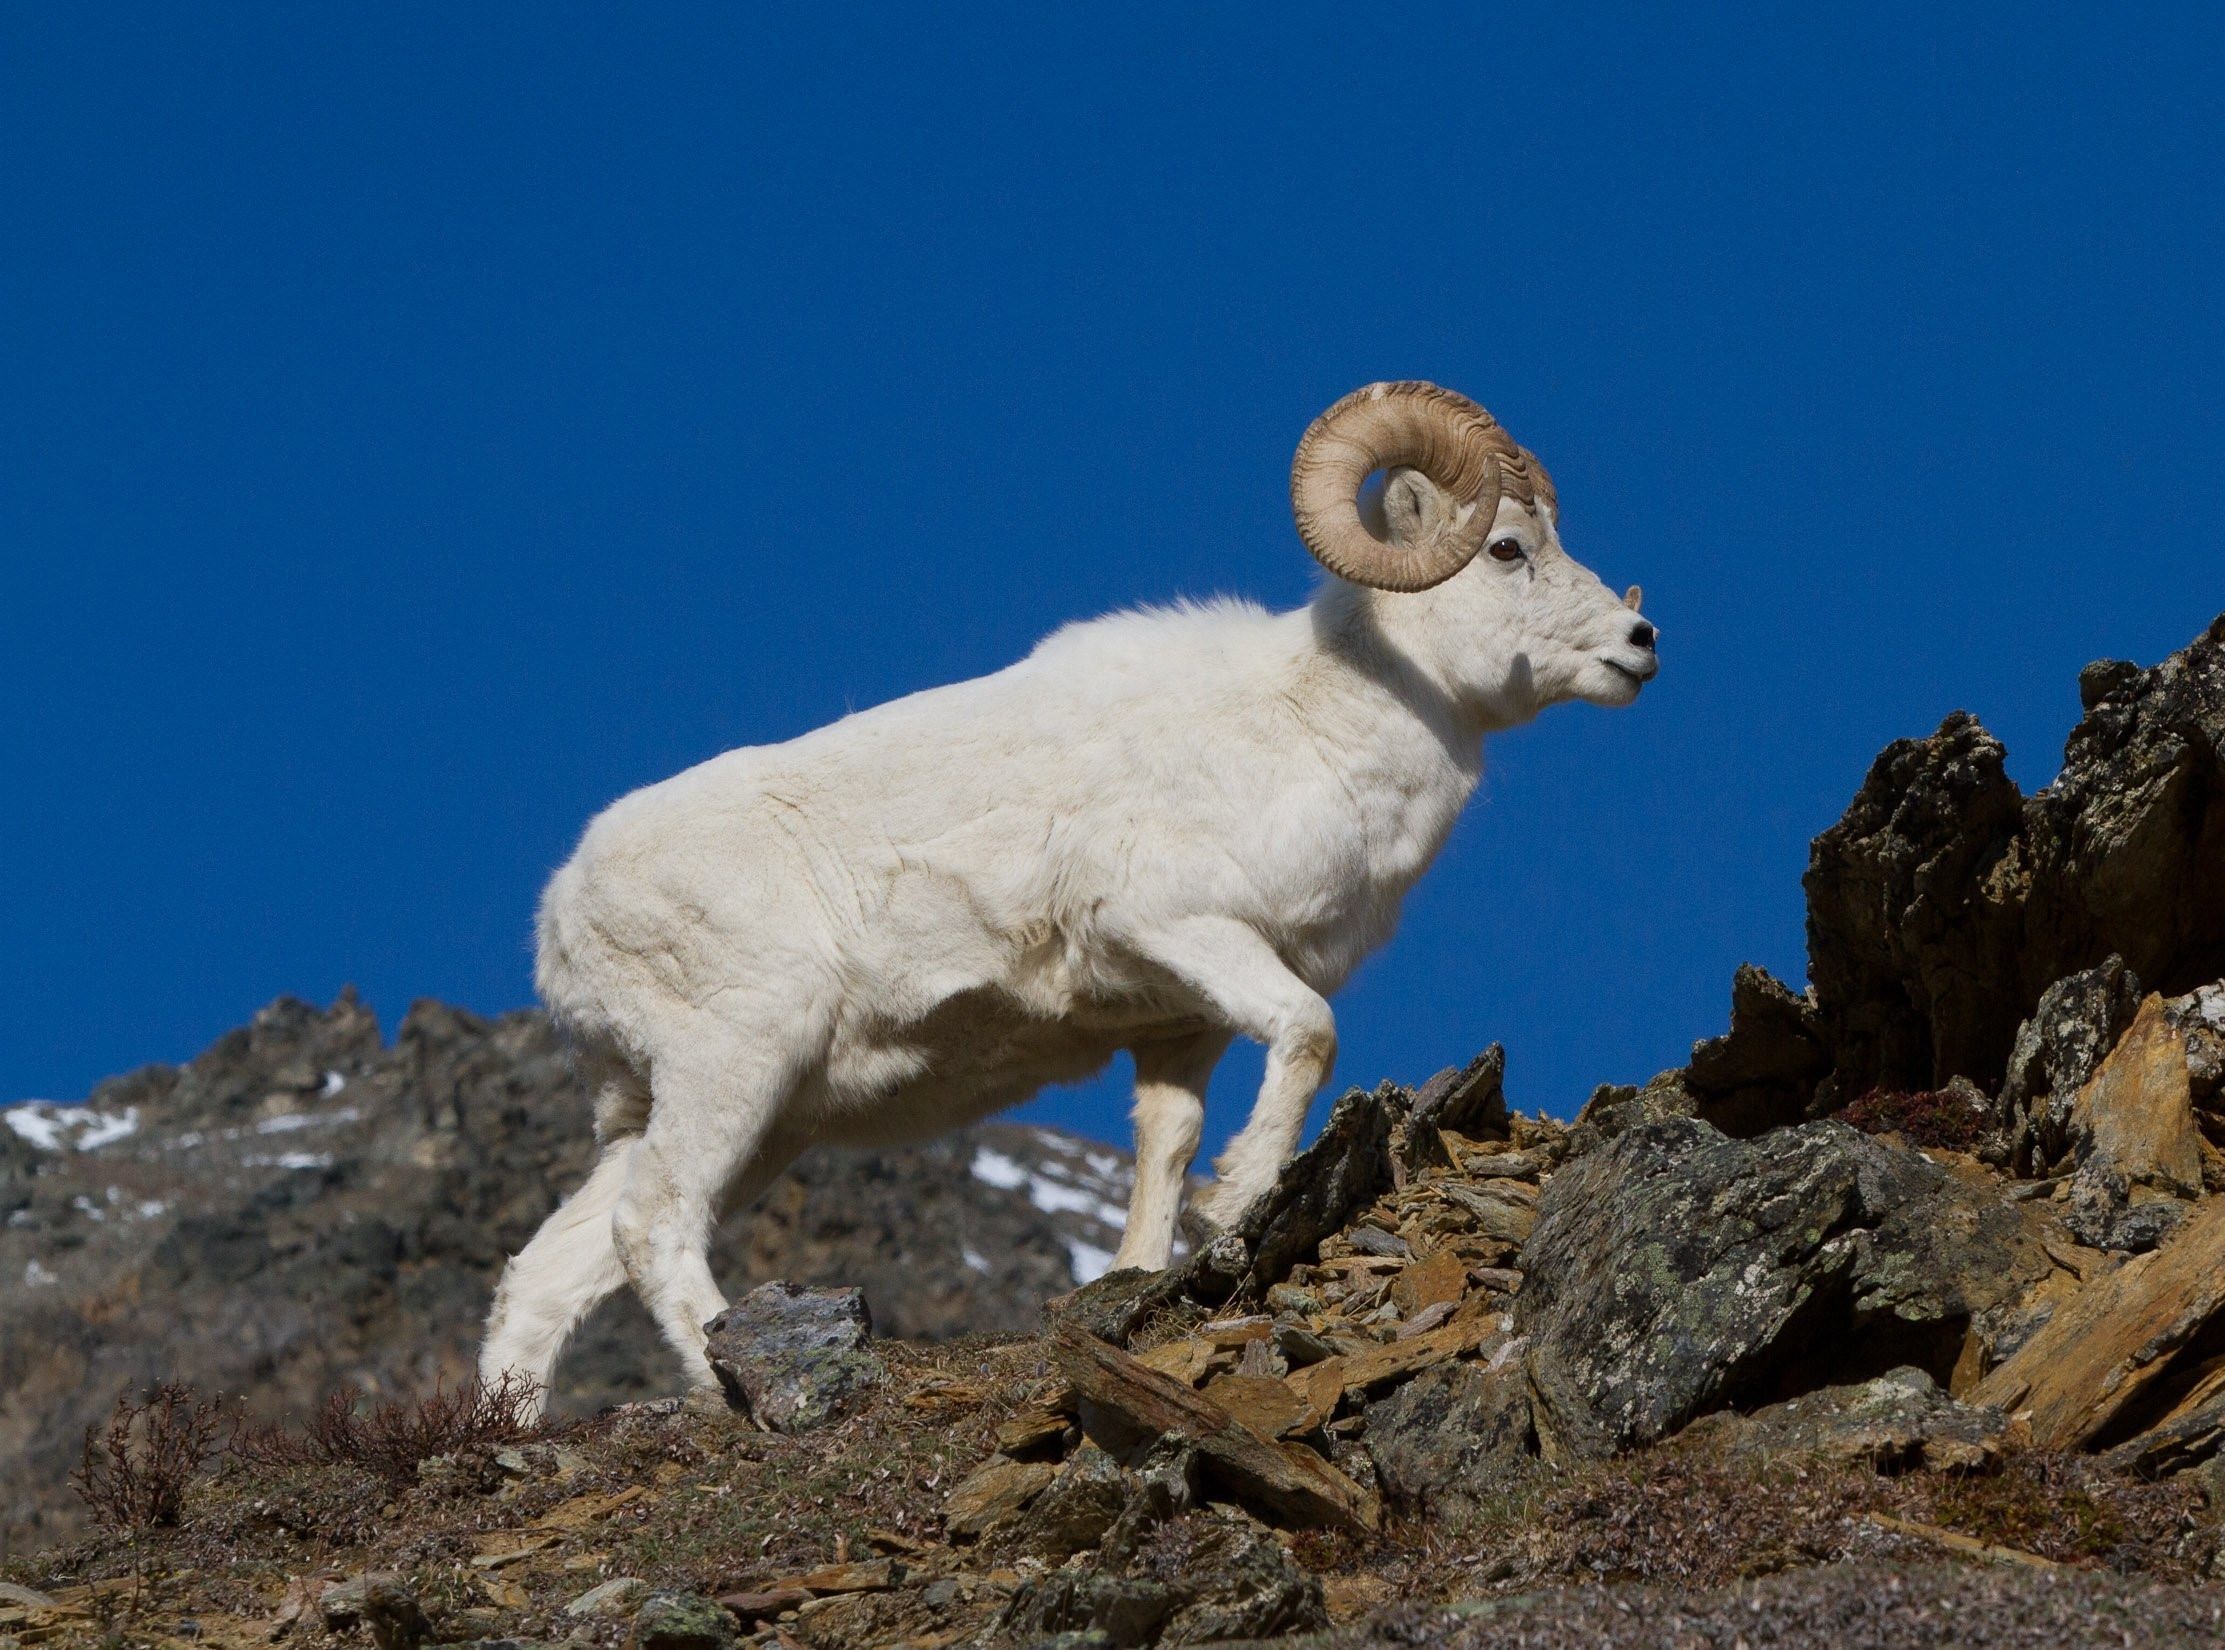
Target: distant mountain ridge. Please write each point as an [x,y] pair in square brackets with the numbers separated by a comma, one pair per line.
[306,1205]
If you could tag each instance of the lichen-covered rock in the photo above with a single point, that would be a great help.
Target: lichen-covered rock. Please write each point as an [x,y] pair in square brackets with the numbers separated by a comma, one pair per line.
[1675,1271]
[681,1621]
[1200,1579]
[1077,1508]
[1897,1421]
[1450,1435]
[790,1356]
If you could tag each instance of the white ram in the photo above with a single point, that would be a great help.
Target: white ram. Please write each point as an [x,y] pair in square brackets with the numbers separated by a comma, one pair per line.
[1159,831]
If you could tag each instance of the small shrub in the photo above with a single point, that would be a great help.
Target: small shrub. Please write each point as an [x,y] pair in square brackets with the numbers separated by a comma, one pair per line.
[1941,1118]
[134,1475]
[391,1439]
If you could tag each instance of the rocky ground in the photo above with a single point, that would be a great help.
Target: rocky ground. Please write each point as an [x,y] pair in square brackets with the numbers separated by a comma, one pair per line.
[1896,1317]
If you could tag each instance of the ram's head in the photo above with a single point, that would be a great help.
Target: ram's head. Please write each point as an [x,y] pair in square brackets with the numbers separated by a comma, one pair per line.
[1469,516]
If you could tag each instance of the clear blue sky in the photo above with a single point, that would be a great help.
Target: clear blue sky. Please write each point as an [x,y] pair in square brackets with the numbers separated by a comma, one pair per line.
[423,424]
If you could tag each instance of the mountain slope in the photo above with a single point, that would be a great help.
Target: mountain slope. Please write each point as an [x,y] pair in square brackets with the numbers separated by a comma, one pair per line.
[305,1205]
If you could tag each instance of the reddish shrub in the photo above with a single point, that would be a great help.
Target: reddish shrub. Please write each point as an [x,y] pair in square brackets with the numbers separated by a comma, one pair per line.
[1941,1118]
[391,1439]
[135,1474]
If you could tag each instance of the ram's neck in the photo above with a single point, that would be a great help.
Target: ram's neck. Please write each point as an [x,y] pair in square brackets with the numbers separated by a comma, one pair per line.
[1406,751]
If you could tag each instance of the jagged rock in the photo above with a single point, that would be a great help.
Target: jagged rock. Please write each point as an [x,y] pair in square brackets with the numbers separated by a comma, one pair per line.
[1675,1271]
[681,1621]
[1616,1108]
[1909,936]
[1945,903]
[1763,1072]
[1126,1403]
[1075,1509]
[2070,1032]
[2103,1210]
[1467,1100]
[790,1356]
[1453,1433]
[1242,1584]
[2134,1118]
[1347,1167]
[1125,1610]
[1899,1420]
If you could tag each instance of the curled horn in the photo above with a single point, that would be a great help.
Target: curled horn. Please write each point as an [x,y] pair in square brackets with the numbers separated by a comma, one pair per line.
[1446,437]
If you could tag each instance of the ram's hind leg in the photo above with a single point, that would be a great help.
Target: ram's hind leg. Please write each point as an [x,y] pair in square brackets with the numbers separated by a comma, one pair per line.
[570,1265]
[710,1132]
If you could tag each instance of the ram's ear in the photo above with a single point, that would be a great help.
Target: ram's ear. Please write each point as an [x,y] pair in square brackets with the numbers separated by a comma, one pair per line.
[1414,507]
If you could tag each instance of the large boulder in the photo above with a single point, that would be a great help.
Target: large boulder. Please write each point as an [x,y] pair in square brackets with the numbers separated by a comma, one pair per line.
[1676,1271]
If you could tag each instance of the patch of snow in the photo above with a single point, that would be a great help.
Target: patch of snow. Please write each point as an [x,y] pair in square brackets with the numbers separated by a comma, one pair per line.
[1054,1199]
[52,1127]
[290,1160]
[293,1120]
[1044,1191]
[974,1259]
[997,1169]
[36,1276]
[1090,1262]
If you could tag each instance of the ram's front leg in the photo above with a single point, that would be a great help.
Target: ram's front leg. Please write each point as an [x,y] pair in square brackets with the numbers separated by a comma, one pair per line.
[1240,978]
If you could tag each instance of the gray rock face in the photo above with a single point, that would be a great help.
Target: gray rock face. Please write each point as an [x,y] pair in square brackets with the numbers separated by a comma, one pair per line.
[790,1356]
[307,1206]
[1945,902]
[1675,1271]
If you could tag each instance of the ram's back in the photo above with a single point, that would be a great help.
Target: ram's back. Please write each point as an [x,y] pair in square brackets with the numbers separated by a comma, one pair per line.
[957,838]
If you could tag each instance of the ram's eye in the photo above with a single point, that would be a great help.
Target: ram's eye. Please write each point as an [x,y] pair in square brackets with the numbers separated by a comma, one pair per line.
[1506,549]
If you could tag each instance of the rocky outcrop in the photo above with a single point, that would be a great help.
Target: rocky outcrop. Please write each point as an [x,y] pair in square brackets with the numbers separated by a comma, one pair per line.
[307,1206]
[1946,903]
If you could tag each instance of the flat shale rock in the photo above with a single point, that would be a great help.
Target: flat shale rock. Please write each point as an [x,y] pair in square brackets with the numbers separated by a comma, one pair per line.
[1899,1420]
[1675,1271]
[2103,1361]
[790,1356]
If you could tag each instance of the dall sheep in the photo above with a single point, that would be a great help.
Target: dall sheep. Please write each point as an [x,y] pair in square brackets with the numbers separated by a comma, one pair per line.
[1158,831]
